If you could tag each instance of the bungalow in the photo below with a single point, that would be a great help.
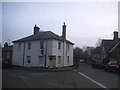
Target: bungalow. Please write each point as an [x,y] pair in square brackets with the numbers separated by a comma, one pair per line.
[43,49]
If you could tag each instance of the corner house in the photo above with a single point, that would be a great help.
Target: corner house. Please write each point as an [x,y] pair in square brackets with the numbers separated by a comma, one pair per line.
[43,49]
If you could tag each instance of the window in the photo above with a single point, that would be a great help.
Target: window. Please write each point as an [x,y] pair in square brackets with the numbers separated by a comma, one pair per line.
[59,59]
[28,59]
[41,44]
[29,45]
[67,59]
[59,45]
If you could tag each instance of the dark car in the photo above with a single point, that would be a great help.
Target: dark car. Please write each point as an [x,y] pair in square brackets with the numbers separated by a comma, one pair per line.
[113,66]
[97,63]
[6,63]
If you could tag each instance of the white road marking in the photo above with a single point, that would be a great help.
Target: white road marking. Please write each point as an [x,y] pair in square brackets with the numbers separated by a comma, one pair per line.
[101,85]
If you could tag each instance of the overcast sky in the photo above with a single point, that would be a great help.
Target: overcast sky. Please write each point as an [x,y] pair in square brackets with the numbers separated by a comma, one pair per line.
[86,21]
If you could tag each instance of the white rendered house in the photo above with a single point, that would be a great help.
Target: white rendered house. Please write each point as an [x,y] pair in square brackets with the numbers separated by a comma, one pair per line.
[43,49]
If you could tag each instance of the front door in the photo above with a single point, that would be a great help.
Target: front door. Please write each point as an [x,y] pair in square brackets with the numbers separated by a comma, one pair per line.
[52,61]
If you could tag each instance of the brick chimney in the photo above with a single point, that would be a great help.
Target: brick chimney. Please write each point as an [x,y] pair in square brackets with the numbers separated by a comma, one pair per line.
[115,35]
[6,44]
[64,31]
[36,29]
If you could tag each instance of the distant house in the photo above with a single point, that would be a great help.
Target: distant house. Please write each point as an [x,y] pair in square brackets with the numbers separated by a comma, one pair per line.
[97,53]
[90,51]
[108,46]
[7,51]
[43,49]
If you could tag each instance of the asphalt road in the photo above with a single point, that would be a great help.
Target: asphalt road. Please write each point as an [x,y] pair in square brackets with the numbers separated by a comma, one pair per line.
[84,77]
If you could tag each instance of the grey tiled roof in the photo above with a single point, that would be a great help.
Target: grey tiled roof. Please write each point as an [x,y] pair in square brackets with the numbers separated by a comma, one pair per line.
[43,35]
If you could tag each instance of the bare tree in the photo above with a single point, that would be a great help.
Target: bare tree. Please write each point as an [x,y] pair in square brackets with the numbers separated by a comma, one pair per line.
[84,48]
[98,44]
[77,54]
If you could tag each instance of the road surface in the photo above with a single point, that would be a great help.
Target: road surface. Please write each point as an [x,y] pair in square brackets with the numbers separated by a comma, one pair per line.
[83,77]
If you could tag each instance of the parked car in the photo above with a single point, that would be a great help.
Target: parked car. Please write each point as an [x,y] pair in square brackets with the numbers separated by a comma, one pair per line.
[6,63]
[113,66]
[82,61]
[97,63]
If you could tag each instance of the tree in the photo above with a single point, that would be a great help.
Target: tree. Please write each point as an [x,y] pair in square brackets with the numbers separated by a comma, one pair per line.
[84,48]
[77,54]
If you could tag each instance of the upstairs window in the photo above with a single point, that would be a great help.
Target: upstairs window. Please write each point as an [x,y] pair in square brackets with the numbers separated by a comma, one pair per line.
[59,45]
[29,45]
[41,44]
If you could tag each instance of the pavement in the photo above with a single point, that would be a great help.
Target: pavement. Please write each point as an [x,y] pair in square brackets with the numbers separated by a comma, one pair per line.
[69,68]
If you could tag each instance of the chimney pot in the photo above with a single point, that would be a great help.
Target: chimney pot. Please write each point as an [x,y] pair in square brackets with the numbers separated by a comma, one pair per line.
[64,31]
[115,35]
[36,29]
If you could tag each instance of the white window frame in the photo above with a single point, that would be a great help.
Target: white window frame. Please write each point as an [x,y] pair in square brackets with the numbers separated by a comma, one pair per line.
[29,45]
[59,45]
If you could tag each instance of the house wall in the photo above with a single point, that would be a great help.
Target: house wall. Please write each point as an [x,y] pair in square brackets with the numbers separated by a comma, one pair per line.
[20,53]
[63,53]
[48,46]
[70,54]
[58,52]
[34,52]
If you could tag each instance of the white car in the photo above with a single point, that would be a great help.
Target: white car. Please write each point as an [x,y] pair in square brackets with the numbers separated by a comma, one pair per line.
[81,60]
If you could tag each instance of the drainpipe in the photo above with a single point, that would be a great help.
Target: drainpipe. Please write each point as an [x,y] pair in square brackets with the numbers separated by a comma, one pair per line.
[23,52]
[63,53]
[46,53]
